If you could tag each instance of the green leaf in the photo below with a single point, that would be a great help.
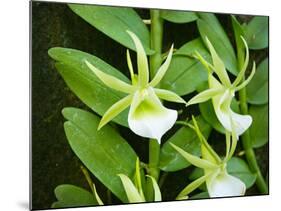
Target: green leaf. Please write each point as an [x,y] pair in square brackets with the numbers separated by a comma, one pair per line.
[257,32]
[257,89]
[236,167]
[210,27]
[114,21]
[178,16]
[185,73]
[72,196]
[208,113]
[239,168]
[187,139]
[105,153]
[85,84]
[259,127]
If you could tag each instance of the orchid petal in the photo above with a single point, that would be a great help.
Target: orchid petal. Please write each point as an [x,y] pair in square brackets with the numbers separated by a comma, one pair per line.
[204,96]
[206,64]
[143,71]
[162,70]
[168,95]
[130,66]
[243,70]
[115,109]
[194,160]
[148,117]
[219,67]
[131,191]
[224,185]
[245,83]
[111,81]
[97,196]
[157,192]
[192,186]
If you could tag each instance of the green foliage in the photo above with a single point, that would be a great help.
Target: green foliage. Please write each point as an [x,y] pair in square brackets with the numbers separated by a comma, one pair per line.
[105,153]
[84,83]
[259,128]
[257,32]
[209,26]
[72,196]
[185,73]
[178,16]
[185,138]
[257,89]
[114,22]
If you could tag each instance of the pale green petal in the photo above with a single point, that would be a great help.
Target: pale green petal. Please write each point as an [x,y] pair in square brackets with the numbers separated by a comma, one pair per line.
[247,81]
[206,64]
[131,191]
[225,185]
[192,186]
[115,109]
[194,160]
[148,117]
[168,95]
[204,96]
[162,70]
[143,72]
[244,68]
[157,192]
[130,66]
[138,178]
[111,81]
[219,67]
[97,196]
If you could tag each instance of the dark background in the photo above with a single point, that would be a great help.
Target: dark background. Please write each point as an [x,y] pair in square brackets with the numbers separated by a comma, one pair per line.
[53,162]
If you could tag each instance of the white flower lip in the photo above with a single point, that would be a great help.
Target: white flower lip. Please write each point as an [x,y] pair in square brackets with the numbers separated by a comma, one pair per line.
[147,116]
[224,185]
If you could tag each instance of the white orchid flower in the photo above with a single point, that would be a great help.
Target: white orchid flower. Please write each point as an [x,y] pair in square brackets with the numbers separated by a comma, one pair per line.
[133,191]
[222,91]
[219,183]
[147,116]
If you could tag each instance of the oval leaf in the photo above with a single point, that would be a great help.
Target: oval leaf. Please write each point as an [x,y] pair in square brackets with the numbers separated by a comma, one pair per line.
[259,127]
[257,89]
[210,27]
[105,153]
[114,21]
[187,139]
[185,73]
[178,16]
[72,196]
[85,84]
[257,33]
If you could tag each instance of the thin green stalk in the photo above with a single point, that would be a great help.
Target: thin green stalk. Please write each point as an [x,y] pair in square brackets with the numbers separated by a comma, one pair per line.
[88,178]
[249,152]
[155,62]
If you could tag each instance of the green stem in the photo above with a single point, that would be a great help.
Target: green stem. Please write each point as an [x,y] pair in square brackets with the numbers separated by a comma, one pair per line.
[249,152]
[155,62]
[88,178]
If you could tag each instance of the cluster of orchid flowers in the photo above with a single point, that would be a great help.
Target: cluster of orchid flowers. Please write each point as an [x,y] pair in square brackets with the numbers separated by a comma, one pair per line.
[149,118]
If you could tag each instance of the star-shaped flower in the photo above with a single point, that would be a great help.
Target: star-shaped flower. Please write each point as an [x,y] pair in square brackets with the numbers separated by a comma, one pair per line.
[147,116]
[219,183]
[222,91]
